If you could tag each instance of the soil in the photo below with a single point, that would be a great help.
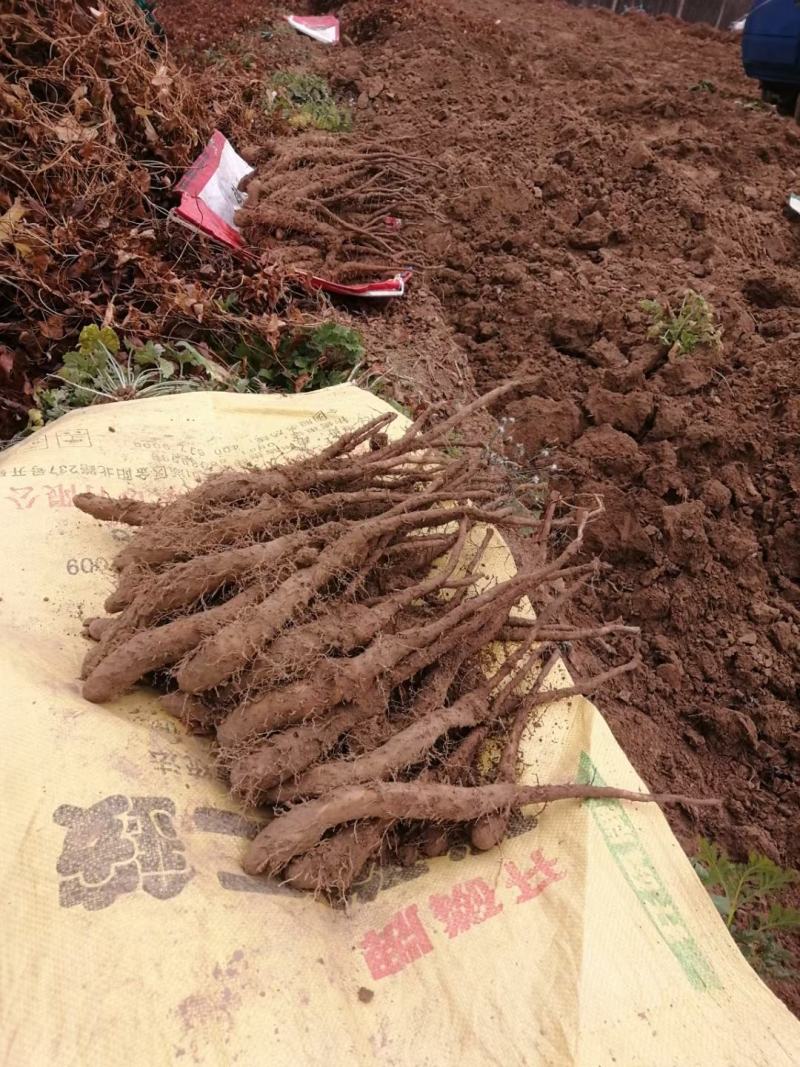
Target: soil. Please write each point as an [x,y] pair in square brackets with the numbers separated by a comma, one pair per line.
[592,161]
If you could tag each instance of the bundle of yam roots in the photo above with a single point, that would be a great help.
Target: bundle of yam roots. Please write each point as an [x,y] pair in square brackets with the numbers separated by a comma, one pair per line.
[347,208]
[330,625]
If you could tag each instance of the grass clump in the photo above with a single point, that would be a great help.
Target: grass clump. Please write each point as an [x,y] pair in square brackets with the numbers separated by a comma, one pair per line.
[100,371]
[97,371]
[744,896]
[682,331]
[305,100]
[302,360]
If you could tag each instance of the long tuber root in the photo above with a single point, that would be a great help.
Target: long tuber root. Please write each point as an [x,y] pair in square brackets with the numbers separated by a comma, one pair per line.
[301,827]
[352,626]
[288,753]
[334,863]
[336,197]
[411,744]
[152,650]
[109,509]
[231,647]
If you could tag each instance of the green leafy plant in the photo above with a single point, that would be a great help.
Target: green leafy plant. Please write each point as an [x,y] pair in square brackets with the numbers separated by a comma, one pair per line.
[381,387]
[96,372]
[681,331]
[306,100]
[175,359]
[741,893]
[303,360]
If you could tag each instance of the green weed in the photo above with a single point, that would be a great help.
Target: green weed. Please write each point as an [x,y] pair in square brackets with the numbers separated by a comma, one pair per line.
[303,360]
[742,893]
[98,371]
[381,387]
[95,372]
[681,331]
[401,409]
[306,100]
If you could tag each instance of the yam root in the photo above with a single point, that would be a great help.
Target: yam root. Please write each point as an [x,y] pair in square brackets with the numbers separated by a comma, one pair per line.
[352,626]
[333,865]
[95,628]
[195,716]
[204,575]
[152,650]
[110,509]
[412,743]
[287,754]
[227,488]
[267,516]
[307,473]
[300,828]
[231,647]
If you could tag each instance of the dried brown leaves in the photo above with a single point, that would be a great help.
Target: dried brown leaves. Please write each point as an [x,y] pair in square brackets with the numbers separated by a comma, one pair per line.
[97,125]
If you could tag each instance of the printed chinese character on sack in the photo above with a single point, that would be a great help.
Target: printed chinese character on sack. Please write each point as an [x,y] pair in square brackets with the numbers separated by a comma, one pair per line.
[534,880]
[116,846]
[399,943]
[466,905]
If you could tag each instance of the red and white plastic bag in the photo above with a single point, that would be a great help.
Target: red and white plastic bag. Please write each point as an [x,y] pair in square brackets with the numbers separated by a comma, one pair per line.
[210,195]
[322,28]
[210,198]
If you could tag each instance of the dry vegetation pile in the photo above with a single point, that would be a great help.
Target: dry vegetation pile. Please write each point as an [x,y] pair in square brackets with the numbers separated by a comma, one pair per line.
[97,126]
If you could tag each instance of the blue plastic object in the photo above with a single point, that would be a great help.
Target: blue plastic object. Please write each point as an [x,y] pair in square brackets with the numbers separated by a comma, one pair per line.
[771,45]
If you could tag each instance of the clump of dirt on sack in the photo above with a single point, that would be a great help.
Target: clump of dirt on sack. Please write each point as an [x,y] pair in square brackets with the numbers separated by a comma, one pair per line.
[332,625]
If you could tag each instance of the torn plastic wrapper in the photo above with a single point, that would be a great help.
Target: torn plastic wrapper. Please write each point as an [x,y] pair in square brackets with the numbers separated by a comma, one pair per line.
[395,286]
[210,195]
[210,198]
[322,28]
